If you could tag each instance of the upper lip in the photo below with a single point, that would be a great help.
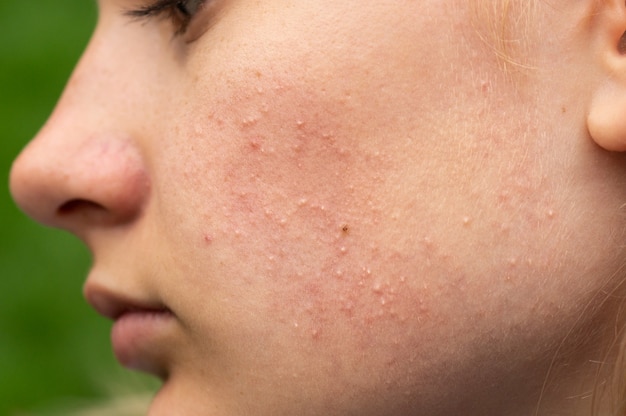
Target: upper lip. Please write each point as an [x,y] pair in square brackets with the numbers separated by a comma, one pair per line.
[114,305]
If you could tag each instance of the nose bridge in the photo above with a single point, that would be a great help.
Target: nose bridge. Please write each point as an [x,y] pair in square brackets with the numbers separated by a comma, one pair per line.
[85,166]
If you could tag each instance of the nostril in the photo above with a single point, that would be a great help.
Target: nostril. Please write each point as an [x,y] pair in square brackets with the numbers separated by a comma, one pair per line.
[78,212]
[75,205]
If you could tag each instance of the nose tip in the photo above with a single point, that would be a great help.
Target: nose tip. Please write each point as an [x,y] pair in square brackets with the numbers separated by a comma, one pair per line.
[73,185]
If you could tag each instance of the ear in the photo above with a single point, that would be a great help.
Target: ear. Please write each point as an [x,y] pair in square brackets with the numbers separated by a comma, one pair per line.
[606,119]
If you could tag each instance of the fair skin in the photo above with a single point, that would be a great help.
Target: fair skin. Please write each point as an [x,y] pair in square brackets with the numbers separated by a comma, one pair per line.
[348,207]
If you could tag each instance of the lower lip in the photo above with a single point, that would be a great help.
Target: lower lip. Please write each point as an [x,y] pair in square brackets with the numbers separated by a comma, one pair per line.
[138,339]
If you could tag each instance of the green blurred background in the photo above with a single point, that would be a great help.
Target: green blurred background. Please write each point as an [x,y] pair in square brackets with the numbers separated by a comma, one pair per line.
[54,350]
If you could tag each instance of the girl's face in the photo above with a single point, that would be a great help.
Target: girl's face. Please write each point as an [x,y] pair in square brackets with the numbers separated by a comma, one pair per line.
[337,207]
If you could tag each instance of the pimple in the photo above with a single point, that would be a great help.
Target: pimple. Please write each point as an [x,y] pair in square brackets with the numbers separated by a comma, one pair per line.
[250,121]
[467,221]
[423,309]
[485,87]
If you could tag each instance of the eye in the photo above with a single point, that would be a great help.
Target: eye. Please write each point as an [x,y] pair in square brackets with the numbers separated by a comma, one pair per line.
[179,12]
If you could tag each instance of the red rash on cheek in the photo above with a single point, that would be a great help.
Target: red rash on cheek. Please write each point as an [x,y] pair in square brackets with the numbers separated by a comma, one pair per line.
[303,202]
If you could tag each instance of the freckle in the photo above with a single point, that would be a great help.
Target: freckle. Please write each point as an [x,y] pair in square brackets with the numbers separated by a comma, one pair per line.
[504,196]
[563,109]
[255,143]
[347,308]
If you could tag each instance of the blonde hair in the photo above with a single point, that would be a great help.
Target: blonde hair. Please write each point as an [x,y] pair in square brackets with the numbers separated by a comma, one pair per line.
[503,26]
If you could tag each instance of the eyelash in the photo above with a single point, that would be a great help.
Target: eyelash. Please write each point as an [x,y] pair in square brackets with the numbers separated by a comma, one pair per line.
[175,10]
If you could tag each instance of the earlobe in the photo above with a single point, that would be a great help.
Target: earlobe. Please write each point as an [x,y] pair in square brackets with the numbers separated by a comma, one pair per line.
[606,118]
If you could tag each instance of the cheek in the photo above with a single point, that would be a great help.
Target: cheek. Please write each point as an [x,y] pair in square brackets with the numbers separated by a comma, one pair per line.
[293,202]
[304,197]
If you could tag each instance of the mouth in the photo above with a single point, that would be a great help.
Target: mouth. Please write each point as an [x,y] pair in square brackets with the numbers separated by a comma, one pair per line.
[142,331]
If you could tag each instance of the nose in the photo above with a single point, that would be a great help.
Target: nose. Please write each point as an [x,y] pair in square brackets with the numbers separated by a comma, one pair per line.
[83,170]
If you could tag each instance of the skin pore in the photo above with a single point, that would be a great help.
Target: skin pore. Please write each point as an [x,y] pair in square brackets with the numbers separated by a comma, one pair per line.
[349,208]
